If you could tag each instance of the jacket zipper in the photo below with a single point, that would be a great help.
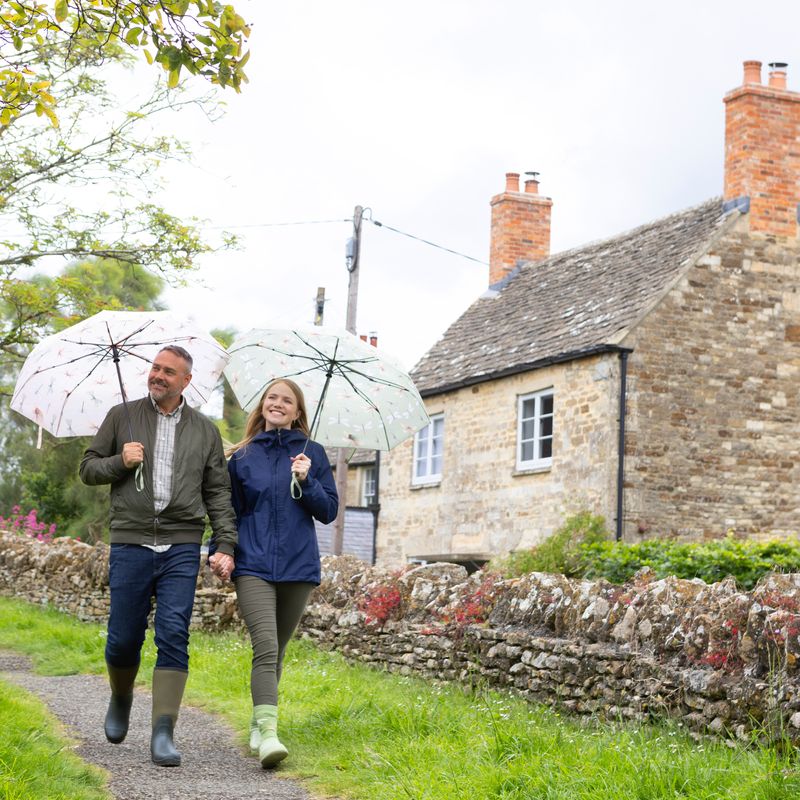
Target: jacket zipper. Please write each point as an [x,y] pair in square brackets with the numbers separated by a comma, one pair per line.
[275,509]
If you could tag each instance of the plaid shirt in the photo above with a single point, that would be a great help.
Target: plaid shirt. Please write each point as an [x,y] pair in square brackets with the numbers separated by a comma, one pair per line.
[163,454]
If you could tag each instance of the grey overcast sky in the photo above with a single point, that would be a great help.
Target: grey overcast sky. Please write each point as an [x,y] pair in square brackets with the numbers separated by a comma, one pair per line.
[416,110]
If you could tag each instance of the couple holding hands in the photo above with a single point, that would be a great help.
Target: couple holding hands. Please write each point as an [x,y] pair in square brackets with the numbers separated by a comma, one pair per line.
[167,470]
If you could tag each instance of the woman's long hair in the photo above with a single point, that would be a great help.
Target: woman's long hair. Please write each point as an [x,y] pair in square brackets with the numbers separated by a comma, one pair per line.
[257,424]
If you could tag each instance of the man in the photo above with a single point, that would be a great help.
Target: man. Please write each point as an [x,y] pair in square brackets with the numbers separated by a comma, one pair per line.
[166,467]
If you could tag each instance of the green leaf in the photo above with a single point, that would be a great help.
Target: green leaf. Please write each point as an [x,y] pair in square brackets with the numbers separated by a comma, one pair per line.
[61,10]
[132,36]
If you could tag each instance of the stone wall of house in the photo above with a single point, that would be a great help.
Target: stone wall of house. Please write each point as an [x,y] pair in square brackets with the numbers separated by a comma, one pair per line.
[713,423]
[719,660]
[483,505]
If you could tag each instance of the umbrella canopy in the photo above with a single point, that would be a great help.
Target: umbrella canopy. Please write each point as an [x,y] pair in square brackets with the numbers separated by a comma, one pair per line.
[72,378]
[355,395]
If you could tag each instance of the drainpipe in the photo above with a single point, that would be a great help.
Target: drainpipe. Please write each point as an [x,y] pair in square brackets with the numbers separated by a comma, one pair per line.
[623,382]
[376,505]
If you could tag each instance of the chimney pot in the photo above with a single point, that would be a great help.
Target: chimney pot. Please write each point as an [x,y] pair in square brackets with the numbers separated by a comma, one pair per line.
[520,226]
[752,72]
[777,74]
[373,339]
[512,181]
[762,125]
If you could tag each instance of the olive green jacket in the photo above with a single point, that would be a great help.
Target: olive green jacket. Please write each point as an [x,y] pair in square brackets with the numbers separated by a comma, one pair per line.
[200,482]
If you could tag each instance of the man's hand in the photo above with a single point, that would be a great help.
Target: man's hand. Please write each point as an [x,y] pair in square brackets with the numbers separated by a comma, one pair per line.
[221,565]
[132,454]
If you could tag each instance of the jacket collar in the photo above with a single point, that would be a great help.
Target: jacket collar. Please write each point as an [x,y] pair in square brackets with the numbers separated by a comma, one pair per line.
[280,436]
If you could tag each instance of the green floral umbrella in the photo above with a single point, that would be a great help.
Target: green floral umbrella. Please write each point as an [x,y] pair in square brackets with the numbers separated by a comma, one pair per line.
[356,395]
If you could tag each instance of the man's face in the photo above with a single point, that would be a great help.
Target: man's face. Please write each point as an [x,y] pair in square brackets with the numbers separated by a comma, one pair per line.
[168,377]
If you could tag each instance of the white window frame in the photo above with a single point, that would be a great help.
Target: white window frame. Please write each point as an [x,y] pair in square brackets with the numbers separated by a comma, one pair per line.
[538,461]
[368,479]
[422,467]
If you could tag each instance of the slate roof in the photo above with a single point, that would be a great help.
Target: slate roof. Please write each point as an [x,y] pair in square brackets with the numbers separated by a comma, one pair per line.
[355,457]
[569,305]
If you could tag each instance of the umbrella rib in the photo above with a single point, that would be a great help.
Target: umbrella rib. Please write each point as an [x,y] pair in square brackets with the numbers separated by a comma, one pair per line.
[74,389]
[60,365]
[382,381]
[370,403]
[263,385]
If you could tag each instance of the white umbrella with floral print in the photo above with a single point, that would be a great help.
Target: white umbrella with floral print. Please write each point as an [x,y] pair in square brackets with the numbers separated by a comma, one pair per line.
[72,378]
[356,395]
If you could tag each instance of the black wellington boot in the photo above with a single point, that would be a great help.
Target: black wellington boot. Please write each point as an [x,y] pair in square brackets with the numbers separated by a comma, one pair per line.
[117,717]
[162,748]
[119,707]
[168,687]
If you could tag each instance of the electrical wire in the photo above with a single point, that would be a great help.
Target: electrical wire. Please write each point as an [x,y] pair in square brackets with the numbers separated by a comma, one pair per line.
[278,224]
[425,241]
[366,218]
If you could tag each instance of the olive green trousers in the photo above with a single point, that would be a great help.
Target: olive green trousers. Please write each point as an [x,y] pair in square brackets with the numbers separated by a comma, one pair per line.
[271,612]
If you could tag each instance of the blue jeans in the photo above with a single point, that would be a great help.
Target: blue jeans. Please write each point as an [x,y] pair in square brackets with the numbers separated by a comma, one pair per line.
[136,575]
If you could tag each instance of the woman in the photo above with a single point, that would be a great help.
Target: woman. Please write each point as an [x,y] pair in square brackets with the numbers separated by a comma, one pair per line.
[277,557]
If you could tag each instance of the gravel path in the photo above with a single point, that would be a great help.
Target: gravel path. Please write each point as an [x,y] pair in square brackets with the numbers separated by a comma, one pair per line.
[214,766]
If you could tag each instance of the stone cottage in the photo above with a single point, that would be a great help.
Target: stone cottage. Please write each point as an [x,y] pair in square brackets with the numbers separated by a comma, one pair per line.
[651,378]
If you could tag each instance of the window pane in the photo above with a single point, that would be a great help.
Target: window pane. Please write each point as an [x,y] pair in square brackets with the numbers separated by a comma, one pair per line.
[527,429]
[436,465]
[547,404]
[526,451]
[546,427]
[528,408]
[546,448]
[438,426]
[422,448]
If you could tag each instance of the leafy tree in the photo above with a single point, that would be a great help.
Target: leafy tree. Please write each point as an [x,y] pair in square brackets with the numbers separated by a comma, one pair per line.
[43,170]
[231,426]
[201,36]
[46,479]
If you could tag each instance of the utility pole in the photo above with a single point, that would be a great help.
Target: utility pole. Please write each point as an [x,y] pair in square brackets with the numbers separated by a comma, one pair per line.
[352,259]
[319,306]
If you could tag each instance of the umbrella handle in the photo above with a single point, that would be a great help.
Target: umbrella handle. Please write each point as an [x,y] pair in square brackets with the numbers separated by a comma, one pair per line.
[295,489]
[138,478]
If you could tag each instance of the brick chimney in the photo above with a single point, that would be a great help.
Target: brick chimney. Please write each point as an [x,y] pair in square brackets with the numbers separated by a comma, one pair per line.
[520,226]
[762,150]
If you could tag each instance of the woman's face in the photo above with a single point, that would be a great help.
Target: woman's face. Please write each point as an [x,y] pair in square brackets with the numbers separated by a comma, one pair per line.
[279,407]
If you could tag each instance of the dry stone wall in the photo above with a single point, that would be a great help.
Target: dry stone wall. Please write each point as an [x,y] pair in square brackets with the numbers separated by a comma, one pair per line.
[720,660]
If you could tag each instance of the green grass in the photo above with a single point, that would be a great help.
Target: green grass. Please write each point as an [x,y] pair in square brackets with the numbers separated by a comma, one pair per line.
[35,761]
[359,733]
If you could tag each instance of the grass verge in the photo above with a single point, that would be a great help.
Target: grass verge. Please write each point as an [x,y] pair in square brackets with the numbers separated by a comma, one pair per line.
[359,733]
[35,760]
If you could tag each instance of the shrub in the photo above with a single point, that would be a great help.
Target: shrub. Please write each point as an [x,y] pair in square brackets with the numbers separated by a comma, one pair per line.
[712,561]
[27,525]
[581,548]
[561,552]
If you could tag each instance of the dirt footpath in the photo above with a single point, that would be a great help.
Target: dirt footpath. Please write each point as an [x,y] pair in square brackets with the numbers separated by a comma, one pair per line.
[214,766]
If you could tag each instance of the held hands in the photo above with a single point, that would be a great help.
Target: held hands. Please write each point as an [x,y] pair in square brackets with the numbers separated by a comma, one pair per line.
[301,464]
[132,454]
[221,565]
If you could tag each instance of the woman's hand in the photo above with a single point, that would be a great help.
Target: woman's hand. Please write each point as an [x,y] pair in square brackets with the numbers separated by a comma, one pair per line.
[221,565]
[301,464]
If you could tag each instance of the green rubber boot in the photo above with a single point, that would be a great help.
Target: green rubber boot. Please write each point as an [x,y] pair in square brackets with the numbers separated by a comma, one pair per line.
[270,750]
[255,733]
[168,685]
[119,706]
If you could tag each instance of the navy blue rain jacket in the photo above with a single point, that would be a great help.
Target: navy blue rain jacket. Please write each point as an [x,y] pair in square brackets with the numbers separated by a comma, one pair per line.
[277,538]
